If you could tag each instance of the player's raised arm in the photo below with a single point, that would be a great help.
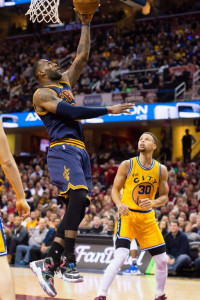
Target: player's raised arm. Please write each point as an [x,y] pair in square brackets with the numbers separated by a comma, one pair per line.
[83,50]
[10,169]
[118,185]
[46,100]
[163,189]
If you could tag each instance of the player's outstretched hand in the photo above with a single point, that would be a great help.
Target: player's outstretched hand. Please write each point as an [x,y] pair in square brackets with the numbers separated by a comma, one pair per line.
[85,19]
[23,208]
[120,108]
[123,209]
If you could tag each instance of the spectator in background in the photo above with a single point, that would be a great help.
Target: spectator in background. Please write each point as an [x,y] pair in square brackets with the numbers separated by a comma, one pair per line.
[86,222]
[18,236]
[111,172]
[10,224]
[163,225]
[192,236]
[181,222]
[3,202]
[4,217]
[39,253]
[97,225]
[32,223]
[52,219]
[187,141]
[11,208]
[196,227]
[193,218]
[110,226]
[177,248]
[35,241]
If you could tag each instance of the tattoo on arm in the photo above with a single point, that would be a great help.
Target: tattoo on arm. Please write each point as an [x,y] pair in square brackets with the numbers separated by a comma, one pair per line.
[84,43]
[79,63]
[47,100]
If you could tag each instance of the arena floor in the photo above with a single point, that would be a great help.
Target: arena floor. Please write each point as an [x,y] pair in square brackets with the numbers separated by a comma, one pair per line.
[123,288]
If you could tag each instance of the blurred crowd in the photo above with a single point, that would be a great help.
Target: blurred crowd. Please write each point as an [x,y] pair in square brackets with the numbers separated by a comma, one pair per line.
[30,240]
[160,44]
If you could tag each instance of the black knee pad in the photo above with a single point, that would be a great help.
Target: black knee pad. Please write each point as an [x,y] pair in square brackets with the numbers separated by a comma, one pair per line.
[75,209]
[123,243]
[158,250]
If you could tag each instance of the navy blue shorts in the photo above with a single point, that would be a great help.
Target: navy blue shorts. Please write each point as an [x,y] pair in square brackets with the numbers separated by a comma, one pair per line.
[69,168]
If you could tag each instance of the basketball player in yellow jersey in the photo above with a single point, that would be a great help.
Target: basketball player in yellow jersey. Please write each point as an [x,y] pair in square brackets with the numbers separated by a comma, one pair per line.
[10,169]
[140,178]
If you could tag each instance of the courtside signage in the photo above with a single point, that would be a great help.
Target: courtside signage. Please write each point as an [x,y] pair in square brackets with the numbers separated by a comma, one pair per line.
[140,112]
[99,256]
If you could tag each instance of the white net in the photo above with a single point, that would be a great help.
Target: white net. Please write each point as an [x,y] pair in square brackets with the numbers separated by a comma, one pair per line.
[44,10]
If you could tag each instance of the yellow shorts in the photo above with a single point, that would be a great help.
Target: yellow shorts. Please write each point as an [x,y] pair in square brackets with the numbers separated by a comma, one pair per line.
[141,226]
[3,249]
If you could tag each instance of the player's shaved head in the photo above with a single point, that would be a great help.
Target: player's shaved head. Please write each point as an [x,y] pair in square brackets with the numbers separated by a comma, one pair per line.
[153,136]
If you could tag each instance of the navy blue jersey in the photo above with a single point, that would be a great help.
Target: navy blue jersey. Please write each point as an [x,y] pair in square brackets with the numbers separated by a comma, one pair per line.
[58,127]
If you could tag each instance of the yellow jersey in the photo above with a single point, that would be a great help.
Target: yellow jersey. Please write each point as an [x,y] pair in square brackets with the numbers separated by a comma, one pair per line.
[140,183]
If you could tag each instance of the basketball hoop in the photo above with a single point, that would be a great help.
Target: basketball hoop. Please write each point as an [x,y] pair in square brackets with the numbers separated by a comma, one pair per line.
[44,10]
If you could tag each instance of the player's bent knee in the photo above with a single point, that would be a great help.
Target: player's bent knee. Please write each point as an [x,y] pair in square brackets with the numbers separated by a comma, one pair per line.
[161,261]
[120,256]
[76,209]
[79,197]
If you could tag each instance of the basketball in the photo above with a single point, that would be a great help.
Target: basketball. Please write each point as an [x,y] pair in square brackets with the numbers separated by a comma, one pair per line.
[86,7]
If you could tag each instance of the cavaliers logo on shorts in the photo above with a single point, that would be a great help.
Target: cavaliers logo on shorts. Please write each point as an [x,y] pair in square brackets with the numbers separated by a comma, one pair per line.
[66,173]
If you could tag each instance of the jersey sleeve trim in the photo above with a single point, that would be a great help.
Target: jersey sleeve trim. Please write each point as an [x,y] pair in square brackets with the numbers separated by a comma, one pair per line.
[62,81]
[159,170]
[130,169]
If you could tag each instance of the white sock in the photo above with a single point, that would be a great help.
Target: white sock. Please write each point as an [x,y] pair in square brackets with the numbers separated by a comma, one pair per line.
[120,256]
[160,273]
[134,261]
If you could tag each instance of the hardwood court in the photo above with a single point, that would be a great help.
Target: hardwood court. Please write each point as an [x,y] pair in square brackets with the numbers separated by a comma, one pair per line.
[123,288]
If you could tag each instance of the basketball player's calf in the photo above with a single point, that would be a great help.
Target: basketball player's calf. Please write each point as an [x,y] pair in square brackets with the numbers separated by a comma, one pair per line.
[160,257]
[64,241]
[121,253]
[74,215]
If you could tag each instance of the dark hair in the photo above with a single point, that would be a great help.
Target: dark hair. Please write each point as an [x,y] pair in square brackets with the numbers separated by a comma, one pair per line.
[175,221]
[35,69]
[153,136]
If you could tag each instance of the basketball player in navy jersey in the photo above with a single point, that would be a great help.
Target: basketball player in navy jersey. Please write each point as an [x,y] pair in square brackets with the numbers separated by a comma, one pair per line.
[68,161]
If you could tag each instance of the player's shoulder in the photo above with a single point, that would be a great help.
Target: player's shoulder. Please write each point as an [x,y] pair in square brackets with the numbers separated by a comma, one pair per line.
[126,162]
[43,94]
[164,171]
[42,91]
[125,165]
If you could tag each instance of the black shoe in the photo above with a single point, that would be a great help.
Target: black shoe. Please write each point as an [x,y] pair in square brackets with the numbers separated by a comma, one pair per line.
[44,270]
[68,271]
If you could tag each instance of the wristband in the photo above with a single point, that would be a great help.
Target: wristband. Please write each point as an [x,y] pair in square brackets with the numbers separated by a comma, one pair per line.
[86,24]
